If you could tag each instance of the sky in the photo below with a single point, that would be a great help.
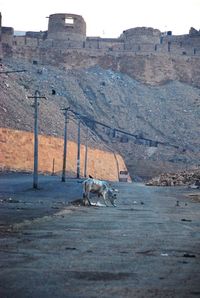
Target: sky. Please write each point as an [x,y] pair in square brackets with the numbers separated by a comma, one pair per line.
[105,18]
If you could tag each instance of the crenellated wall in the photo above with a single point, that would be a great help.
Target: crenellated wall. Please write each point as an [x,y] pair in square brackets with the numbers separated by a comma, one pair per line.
[143,53]
[68,32]
[17,154]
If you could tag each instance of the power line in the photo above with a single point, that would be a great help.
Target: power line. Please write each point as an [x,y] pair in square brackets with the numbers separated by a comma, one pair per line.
[152,143]
[85,120]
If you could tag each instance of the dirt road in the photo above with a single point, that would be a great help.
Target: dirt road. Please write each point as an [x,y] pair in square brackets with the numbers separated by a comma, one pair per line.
[148,246]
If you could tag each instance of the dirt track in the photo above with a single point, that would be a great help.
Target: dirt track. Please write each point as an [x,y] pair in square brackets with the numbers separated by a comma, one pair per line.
[148,246]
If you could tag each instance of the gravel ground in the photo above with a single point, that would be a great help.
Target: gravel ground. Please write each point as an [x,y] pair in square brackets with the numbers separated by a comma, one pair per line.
[148,246]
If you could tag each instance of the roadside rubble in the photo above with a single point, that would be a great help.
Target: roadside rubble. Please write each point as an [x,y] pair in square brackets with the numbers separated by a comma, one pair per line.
[190,178]
[9,200]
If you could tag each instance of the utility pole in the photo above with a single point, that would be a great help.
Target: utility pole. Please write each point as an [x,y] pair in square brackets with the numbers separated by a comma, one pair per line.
[86,153]
[52,174]
[78,148]
[36,104]
[65,145]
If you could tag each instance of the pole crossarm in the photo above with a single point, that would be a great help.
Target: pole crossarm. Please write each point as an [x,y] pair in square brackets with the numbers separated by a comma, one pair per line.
[37,97]
[13,71]
[65,109]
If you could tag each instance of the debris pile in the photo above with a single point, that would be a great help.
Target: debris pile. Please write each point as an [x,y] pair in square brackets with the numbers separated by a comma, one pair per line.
[187,177]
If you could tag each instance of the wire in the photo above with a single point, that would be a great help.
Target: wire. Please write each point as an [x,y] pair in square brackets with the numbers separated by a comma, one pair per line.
[150,142]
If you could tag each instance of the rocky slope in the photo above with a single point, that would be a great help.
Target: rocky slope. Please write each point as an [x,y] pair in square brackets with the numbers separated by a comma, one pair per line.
[155,69]
[168,113]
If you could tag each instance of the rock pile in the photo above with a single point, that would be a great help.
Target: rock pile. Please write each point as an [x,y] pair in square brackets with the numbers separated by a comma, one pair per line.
[190,178]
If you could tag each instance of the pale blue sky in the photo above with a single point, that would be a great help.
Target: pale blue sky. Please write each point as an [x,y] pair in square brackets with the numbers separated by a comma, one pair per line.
[105,18]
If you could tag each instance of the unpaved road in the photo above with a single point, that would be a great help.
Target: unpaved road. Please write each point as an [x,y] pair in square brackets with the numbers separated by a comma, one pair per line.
[145,247]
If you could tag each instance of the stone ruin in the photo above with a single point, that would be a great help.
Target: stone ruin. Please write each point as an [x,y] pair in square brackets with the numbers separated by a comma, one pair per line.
[66,27]
[67,33]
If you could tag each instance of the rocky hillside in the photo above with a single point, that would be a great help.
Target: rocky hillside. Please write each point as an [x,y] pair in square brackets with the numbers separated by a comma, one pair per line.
[155,69]
[168,113]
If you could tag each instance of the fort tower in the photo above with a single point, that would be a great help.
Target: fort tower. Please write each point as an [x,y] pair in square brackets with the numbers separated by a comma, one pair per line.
[66,27]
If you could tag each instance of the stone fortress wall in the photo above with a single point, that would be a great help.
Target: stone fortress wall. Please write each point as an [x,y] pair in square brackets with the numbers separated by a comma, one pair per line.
[67,33]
